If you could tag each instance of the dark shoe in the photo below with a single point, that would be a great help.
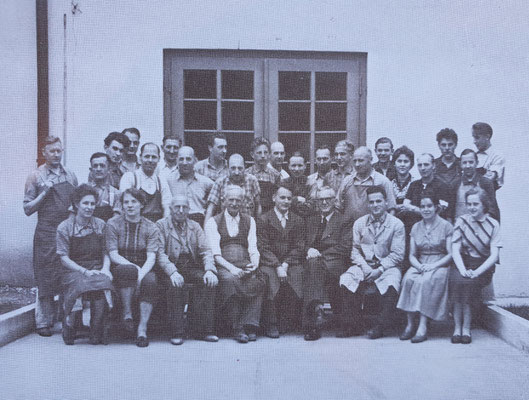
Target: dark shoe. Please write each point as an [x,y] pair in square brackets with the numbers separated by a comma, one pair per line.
[375,333]
[456,339]
[44,332]
[419,338]
[242,337]
[128,325]
[313,334]
[68,334]
[272,332]
[142,341]
[319,316]
[177,341]
[407,334]
[210,338]
[466,339]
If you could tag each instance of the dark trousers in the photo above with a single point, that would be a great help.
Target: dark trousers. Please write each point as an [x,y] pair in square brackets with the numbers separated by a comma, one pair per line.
[243,311]
[201,305]
[352,305]
[284,311]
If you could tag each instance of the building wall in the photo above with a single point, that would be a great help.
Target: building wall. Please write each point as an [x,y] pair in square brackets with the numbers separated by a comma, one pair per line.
[431,64]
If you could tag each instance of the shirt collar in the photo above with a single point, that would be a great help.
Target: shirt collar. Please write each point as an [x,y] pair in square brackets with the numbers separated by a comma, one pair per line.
[473,180]
[227,215]
[49,171]
[279,215]
[382,219]
[328,217]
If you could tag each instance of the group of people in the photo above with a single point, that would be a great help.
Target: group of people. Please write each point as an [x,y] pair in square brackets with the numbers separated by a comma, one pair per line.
[263,249]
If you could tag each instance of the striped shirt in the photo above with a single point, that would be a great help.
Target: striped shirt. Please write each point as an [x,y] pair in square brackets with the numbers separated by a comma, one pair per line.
[477,237]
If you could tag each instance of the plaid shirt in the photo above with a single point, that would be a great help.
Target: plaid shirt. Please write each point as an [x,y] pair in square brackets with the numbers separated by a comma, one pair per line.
[203,167]
[251,188]
[334,178]
[269,174]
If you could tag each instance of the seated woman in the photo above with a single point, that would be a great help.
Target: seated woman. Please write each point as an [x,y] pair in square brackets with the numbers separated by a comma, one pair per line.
[86,272]
[476,247]
[424,289]
[132,242]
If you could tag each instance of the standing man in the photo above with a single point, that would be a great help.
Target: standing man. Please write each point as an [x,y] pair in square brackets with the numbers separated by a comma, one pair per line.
[107,195]
[170,147]
[297,182]
[251,192]
[328,243]
[185,181]
[215,166]
[130,159]
[267,176]
[384,151]
[185,257]
[490,163]
[155,190]
[448,166]
[378,250]
[115,145]
[281,246]
[352,194]
[232,238]
[47,192]
[323,165]
[277,158]
[343,155]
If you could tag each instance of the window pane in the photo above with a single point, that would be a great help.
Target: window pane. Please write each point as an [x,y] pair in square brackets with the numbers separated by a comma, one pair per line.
[331,116]
[199,142]
[294,116]
[200,84]
[237,84]
[294,85]
[331,85]
[241,143]
[237,115]
[294,141]
[329,139]
[200,115]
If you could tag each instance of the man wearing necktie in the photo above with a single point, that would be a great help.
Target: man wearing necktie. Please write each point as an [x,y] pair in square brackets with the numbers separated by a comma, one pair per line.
[281,244]
[377,253]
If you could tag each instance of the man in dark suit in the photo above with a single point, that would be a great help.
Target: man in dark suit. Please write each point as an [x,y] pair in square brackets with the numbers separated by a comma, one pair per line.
[328,243]
[281,244]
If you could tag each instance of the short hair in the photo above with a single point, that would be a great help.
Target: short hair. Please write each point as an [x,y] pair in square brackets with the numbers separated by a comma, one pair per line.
[150,144]
[406,151]
[383,140]
[216,135]
[429,194]
[136,193]
[483,197]
[50,140]
[285,185]
[432,158]
[348,145]
[324,188]
[323,146]
[80,192]
[100,155]
[482,128]
[259,141]
[172,137]
[446,133]
[118,137]
[469,151]
[135,131]
[297,154]
[377,189]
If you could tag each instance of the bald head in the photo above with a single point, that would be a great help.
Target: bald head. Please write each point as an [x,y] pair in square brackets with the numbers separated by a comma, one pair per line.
[362,161]
[179,208]
[186,161]
[236,168]
[277,155]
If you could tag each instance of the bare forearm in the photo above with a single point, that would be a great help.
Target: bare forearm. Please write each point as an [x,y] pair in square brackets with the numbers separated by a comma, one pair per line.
[116,258]
[71,265]
[32,206]
[149,263]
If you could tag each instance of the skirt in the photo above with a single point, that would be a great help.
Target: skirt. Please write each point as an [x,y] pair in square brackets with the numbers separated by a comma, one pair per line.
[468,290]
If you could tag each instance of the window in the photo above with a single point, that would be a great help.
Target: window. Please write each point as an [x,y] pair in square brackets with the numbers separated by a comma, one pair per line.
[302,99]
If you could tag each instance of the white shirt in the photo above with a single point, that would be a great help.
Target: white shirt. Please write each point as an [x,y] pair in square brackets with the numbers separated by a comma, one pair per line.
[232,225]
[493,162]
[281,217]
[166,171]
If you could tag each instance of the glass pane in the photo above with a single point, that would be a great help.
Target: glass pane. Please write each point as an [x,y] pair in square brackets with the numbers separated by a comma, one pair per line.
[294,116]
[294,85]
[329,139]
[294,141]
[199,142]
[331,116]
[200,114]
[237,115]
[237,84]
[200,84]
[331,85]
[241,143]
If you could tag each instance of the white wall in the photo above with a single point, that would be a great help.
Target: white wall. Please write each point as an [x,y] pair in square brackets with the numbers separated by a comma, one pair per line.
[18,132]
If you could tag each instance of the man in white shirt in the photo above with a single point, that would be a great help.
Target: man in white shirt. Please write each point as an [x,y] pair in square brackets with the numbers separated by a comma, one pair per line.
[155,190]
[170,147]
[277,158]
[490,164]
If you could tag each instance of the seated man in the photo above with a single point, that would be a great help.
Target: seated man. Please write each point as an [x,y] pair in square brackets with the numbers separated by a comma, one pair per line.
[328,241]
[232,238]
[281,246]
[378,250]
[186,258]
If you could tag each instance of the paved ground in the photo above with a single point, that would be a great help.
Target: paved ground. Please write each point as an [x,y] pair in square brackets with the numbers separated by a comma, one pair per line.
[288,368]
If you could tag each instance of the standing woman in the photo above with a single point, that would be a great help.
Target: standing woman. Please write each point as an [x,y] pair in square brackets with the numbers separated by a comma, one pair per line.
[475,249]
[47,192]
[403,160]
[86,273]
[132,242]
[424,288]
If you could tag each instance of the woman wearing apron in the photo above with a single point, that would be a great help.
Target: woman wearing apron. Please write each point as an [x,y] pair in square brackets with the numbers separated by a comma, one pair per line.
[48,192]
[475,250]
[132,243]
[86,273]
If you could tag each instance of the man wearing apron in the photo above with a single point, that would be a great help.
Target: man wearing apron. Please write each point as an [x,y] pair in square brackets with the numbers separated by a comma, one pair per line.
[47,192]
[155,190]
[108,196]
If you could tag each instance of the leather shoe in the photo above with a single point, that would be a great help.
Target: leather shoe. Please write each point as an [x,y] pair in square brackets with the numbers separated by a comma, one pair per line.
[44,332]
[375,333]
[142,341]
[272,332]
[252,337]
[128,324]
[68,335]
[456,339]
[466,339]
[419,338]
[177,341]
[407,334]
[313,334]
[210,338]
[242,337]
